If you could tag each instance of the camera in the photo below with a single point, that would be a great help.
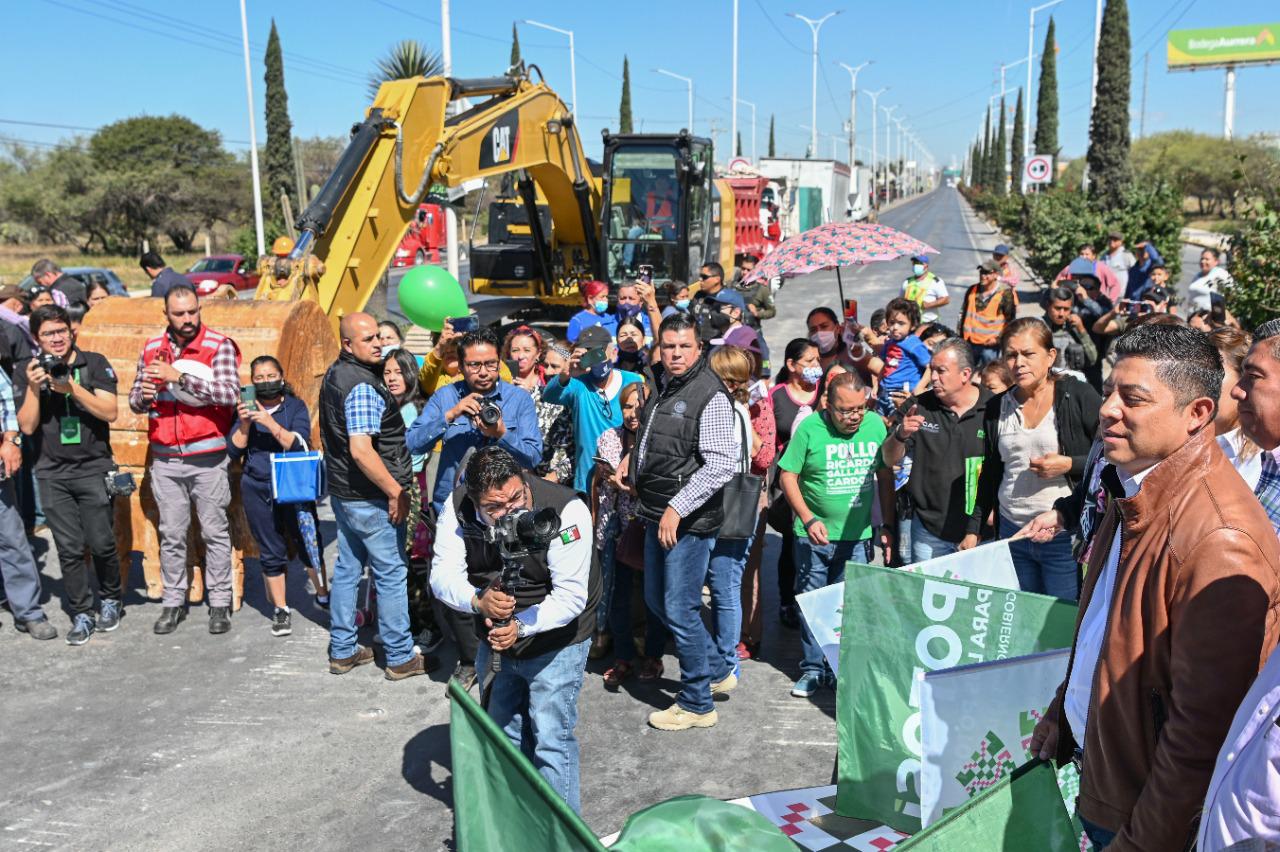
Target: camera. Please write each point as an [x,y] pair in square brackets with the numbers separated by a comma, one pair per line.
[490,413]
[119,483]
[524,532]
[58,369]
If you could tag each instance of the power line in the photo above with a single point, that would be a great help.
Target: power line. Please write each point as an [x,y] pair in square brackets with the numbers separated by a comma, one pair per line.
[786,40]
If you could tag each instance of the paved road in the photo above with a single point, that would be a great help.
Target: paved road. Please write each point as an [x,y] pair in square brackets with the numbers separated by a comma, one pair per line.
[244,741]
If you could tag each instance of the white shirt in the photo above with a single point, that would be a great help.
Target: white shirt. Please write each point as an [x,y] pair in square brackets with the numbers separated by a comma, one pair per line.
[1251,468]
[569,563]
[1212,281]
[1093,627]
[934,289]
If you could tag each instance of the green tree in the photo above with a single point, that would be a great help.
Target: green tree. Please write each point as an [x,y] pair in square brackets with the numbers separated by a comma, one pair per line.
[515,46]
[404,60]
[624,108]
[739,143]
[1254,298]
[1046,136]
[278,157]
[771,148]
[1002,154]
[988,154]
[1108,155]
[1016,160]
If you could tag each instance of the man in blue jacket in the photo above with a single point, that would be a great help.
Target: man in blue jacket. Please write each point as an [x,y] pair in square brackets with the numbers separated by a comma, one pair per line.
[456,414]
[1140,273]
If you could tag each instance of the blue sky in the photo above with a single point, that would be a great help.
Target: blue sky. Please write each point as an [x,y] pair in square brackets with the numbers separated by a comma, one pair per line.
[84,63]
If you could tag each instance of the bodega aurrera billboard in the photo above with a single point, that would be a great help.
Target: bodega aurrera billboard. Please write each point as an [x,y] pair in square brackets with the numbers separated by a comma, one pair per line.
[1217,47]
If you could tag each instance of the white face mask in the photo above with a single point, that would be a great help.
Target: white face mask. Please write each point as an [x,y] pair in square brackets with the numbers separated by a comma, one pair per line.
[824,340]
[917,269]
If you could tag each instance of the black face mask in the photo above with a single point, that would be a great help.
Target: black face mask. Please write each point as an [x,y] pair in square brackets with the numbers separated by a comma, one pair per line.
[269,390]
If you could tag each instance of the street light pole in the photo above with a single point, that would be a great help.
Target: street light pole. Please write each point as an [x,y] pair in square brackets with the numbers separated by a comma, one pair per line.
[1093,84]
[753,128]
[688,81]
[814,26]
[1026,111]
[573,65]
[253,135]
[450,215]
[888,151]
[875,154]
[733,96]
[853,107]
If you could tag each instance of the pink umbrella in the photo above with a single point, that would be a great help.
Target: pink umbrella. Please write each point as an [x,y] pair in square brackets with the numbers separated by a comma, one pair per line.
[835,245]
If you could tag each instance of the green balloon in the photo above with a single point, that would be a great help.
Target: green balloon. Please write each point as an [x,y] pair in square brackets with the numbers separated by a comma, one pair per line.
[429,295]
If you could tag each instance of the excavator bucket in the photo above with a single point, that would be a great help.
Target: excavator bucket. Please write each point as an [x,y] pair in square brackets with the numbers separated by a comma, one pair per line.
[298,334]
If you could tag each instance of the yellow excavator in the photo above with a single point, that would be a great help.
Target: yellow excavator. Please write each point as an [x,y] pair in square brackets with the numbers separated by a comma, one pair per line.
[653,205]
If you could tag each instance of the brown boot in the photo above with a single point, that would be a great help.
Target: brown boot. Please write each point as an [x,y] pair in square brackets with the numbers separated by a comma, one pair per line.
[361,657]
[417,665]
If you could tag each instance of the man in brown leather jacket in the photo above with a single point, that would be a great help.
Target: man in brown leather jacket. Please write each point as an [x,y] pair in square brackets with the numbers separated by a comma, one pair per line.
[1180,603]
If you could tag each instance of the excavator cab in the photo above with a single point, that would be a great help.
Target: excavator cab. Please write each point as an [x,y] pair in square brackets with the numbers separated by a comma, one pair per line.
[661,206]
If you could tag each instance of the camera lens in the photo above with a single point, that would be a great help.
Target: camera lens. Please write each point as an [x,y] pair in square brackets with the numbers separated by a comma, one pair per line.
[490,414]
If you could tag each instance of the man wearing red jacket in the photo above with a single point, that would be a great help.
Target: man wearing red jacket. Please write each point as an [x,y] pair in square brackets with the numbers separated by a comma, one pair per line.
[188,385]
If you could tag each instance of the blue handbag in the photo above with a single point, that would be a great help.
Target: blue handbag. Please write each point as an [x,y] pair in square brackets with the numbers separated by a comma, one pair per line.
[297,477]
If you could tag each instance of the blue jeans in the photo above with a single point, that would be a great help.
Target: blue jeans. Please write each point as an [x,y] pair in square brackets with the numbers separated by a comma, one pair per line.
[673,588]
[1098,836]
[728,561]
[925,545]
[984,355]
[535,702]
[1047,569]
[819,565]
[367,536]
[21,576]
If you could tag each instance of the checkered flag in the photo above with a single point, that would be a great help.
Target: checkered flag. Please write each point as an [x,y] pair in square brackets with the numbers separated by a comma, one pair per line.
[987,765]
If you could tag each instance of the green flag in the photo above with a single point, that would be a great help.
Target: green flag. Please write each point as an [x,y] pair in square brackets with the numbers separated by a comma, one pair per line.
[501,802]
[1023,810]
[898,625]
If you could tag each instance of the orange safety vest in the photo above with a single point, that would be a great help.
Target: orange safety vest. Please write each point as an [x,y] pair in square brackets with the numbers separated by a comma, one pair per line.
[175,428]
[982,327]
[658,209]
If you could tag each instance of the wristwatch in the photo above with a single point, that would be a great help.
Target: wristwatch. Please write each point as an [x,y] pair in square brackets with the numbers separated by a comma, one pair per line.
[522,629]
[16,440]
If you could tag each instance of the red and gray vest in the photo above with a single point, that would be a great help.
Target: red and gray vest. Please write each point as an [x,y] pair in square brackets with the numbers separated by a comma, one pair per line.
[175,428]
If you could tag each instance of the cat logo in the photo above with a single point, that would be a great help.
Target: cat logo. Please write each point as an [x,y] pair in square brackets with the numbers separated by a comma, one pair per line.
[500,139]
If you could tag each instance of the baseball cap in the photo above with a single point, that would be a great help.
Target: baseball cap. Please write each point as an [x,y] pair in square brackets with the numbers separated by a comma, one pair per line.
[594,337]
[1115,235]
[10,291]
[1000,250]
[1081,268]
[731,297]
[920,258]
[743,337]
[988,266]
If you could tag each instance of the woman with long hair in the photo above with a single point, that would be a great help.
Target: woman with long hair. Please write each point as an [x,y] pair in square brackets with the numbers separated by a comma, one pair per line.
[1038,437]
[1233,345]
[524,352]
[620,540]
[797,395]
[277,422]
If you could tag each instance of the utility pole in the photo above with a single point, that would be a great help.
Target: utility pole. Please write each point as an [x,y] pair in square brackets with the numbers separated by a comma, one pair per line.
[715,129]
[753,128]
[450,215]
[814,26]
[888,151]
[733,96]
[853,107]
[688,82]
[1026,113]
[573,63]
[253,135]
[875,154]
[1142,114]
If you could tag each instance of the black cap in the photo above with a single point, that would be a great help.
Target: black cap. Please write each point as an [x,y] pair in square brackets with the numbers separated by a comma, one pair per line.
[988,266]
[594,337]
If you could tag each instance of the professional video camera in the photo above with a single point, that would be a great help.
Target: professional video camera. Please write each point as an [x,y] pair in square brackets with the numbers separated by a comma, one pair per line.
[519,534]
[58,369]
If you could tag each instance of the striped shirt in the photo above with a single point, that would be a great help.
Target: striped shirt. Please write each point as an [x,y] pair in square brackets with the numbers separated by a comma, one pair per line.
[8,410]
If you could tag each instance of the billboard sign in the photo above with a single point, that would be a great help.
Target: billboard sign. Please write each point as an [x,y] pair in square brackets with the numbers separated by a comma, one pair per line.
[1217,47]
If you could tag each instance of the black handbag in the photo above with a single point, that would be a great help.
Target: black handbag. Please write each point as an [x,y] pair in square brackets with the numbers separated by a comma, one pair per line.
[741,499]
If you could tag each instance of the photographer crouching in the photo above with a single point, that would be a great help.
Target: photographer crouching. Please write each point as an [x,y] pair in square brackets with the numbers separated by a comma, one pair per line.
[516,552]
[67,403]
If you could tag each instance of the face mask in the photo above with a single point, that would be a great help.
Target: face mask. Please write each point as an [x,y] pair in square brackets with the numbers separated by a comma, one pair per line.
[824,340]
[600,306]
[269,390]
[917,269]
[811,375]
[600,371]
[388,348]
[625,311]
[682,304]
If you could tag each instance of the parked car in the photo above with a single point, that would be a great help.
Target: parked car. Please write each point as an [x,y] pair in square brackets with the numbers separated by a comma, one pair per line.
[209,273]
[92,274]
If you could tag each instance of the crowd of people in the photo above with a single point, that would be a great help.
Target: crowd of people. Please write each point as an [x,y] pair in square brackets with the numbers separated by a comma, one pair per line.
[541,502]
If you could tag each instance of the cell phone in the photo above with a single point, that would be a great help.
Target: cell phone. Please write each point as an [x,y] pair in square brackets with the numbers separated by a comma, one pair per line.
[851,309]
[249,396]
[592,357]
[1133,307]
[905,407]
[645,273]
[464,325]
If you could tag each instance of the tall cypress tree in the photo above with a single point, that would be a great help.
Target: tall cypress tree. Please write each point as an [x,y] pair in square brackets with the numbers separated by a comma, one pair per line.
[772,152]
[624,108]
[515,46]
[1046,136]
[988,154]
[1016,160]
[278,156]
[1108,157]
[739,143]
[1002,154]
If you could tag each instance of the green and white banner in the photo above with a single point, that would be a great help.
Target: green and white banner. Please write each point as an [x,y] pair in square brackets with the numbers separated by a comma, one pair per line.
[976,725]
[1220,46]
[896,626]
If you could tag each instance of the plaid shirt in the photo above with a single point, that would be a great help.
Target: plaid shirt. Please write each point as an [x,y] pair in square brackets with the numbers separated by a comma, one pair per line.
[364,408]
[1268,489]
[8,410]
[223,389]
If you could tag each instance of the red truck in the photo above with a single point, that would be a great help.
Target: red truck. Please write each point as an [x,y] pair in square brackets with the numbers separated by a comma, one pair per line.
[424,243]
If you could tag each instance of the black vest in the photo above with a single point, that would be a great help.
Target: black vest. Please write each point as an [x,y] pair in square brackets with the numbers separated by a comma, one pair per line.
[346,480]
[672,454]
[484,566]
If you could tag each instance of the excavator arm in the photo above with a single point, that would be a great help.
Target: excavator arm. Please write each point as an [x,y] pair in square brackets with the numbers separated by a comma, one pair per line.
[350,231]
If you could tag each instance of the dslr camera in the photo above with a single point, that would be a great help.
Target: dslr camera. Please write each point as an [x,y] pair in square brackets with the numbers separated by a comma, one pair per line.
[524,532]
[490,413]
[58,369]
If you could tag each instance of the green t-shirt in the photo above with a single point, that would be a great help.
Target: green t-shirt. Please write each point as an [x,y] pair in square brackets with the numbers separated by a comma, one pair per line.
[837,473]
